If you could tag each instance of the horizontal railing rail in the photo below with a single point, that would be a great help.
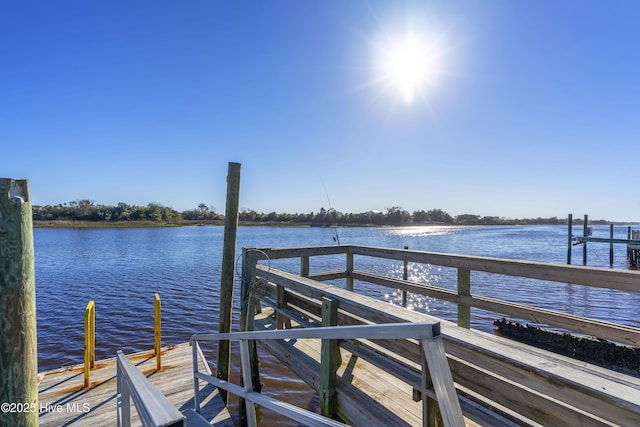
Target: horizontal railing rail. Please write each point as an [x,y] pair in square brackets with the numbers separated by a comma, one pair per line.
[619,280]
[427,333]
[511,380]
[153,408]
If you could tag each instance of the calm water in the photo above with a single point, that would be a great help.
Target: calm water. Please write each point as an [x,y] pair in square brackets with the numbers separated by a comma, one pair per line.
[121,269]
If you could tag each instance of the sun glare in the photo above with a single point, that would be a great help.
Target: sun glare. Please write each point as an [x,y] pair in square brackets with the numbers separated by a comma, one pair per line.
[408,66]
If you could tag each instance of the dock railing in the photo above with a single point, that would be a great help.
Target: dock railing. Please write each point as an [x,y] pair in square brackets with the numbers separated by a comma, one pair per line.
[564,274]
[493,375]
[427,333]
[153,408]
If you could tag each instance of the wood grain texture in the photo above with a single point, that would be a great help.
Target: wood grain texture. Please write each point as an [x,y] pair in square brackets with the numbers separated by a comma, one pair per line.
[96,406]
[18,340]
[538,385]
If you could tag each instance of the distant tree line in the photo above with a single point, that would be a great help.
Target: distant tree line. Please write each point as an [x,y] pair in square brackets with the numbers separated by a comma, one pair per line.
[395,215]
[88,210]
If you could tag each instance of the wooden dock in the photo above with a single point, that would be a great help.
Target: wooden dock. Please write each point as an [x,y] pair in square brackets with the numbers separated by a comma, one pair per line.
[369,395]
[63,401]
[499,382]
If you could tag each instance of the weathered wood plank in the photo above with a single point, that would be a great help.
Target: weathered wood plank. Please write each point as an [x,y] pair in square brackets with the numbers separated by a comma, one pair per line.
[561,385]
[279,253]
[66,402]
[600,329]
[590,276]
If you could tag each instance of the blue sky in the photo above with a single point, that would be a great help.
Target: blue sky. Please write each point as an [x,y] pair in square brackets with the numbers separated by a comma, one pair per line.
[531,108]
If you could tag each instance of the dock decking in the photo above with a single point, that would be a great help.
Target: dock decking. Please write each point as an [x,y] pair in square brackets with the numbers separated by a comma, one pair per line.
[64,402]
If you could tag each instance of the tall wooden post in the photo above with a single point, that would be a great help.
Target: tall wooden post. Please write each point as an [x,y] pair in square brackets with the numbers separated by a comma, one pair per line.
[611,246]
[228,268]
[569,237]
[585,233]
[18,340]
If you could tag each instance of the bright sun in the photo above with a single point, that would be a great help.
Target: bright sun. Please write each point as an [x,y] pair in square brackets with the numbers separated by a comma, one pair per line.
[408,65]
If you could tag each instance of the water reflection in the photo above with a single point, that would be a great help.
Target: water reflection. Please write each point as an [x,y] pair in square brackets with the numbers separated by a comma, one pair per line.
[121,269]
[421,231]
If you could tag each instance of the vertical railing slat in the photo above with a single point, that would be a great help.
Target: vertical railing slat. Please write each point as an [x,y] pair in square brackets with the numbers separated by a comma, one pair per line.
[464,289]
[329,351]
[349,271]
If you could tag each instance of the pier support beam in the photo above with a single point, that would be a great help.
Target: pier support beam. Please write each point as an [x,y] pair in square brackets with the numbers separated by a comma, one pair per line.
[228,268]
[18,340]
[585,233]
[569,237]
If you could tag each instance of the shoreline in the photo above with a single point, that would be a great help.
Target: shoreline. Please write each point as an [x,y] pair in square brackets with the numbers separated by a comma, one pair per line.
[70,224]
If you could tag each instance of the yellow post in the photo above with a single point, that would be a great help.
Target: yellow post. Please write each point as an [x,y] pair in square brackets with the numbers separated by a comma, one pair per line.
[89,341]
[156,332]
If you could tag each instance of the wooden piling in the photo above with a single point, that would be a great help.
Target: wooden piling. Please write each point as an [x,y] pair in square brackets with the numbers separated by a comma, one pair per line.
[569,237]
[228,268]
[18,339]
[585,233]
[611,246]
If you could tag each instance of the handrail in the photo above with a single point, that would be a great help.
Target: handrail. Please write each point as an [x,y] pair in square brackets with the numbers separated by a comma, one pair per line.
[89,341]
[153,407]
[427,333]
[586,276]
[579,275]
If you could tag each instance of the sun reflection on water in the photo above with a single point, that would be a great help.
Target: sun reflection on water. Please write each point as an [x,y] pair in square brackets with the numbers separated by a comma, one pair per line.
[424,274]
[423,230]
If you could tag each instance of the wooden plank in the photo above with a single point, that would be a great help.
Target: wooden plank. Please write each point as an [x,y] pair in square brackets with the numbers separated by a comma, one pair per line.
[573,384]
[358,404]
[329,275]
[584,325]
[279,253]
[604,240]
[65,402]
[590,276]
